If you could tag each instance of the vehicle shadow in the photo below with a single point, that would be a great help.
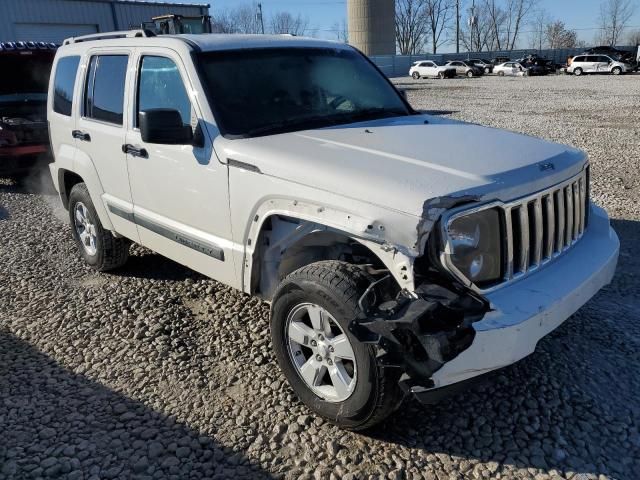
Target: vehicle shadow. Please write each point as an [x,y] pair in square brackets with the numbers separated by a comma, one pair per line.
[57,423]
[528,415]
[144,263]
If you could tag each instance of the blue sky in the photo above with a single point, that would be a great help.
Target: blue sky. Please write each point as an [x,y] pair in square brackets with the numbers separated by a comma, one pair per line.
[323,14]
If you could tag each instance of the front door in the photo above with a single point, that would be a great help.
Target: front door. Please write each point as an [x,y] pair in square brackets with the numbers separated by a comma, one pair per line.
[180,192]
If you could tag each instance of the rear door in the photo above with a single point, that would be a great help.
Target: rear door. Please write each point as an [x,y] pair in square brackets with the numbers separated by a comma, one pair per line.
[603,64]
[100,131]
[591,63]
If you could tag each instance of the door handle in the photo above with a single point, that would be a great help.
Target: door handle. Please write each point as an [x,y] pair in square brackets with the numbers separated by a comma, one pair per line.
[135,151]
[85,137]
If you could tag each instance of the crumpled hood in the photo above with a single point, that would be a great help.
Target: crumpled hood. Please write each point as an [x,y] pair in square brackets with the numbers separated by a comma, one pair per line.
[400,163]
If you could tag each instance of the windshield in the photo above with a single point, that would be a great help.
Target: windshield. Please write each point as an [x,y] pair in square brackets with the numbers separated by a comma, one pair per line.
[274,90]
[29,78]
[192,25]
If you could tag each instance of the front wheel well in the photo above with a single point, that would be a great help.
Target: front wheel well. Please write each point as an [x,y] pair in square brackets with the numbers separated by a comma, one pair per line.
[286,244]
[66,181]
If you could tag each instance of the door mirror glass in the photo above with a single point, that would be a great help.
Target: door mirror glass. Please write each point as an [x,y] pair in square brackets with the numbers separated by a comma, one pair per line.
[164,126]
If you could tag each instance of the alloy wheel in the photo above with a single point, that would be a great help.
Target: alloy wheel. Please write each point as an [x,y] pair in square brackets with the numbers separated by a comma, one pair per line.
[321,352]
[85,228]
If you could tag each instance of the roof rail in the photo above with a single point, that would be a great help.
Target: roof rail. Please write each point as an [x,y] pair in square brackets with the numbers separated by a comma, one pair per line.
[109,35]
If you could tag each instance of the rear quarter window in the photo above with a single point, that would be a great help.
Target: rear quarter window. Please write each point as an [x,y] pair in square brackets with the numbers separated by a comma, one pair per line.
[64,83]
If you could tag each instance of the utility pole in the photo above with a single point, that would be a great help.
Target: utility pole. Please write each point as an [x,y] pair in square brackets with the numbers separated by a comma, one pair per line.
[259,15]
[457,26]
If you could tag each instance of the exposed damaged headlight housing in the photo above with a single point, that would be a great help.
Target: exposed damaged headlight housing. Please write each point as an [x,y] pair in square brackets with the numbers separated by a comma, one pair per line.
[474,246]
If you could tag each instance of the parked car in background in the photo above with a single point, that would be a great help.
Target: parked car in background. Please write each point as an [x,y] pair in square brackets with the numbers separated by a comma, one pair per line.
[485,65]
[510,69]
[431,69]
[24,79]
[398,258]
[537,65]
[598,64]
[500,60]
[622,55]
[465,68]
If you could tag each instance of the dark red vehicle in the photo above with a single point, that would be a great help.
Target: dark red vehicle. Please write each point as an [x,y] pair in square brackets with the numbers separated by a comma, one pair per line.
[24,79]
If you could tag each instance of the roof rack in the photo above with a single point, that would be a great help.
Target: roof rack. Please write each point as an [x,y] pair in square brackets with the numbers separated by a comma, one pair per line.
[109,35]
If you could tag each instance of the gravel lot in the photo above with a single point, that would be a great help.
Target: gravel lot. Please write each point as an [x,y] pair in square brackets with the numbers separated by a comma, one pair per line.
[158,372]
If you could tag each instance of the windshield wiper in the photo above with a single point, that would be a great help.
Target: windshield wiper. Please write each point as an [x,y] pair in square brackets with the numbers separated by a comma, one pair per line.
[300,122]
[303,123]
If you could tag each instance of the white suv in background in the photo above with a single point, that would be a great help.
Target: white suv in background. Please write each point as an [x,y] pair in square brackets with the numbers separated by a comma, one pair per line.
[597,64]
[395,263]
[429,68]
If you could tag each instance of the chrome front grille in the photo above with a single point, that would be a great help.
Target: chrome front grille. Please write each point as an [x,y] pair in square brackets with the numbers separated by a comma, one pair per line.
[540,227]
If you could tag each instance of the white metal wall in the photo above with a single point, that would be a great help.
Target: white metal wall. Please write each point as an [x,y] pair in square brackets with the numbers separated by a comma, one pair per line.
[53,20]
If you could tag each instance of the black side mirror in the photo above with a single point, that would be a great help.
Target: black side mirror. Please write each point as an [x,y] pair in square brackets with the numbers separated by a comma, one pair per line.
[164,126]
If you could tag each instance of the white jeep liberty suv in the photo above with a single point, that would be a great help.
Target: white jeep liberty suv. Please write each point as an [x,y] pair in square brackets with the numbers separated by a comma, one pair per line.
[292,169]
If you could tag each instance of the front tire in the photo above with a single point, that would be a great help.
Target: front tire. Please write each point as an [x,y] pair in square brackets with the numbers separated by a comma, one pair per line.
[501,73]
[487,70]
[577,72]
[98,247]
[415,75]
[332,372]
[470,74]
[616,71]
[441,75]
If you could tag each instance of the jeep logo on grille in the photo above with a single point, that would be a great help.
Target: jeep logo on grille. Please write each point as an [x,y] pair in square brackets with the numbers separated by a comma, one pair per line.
[546,166]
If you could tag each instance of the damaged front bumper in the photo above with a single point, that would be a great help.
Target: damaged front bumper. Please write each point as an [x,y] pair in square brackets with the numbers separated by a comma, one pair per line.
[443,338]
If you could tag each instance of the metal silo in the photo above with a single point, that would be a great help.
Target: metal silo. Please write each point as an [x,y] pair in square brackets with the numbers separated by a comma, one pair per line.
[372,26]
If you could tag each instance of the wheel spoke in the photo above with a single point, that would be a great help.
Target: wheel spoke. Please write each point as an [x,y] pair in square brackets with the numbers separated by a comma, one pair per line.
[83,237]
[317,318]
[300,333]
[79,217]
[340,380]
[341,347]
[312,372]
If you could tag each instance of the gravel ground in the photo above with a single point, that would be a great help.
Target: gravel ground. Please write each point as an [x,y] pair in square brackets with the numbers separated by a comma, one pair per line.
[158,372]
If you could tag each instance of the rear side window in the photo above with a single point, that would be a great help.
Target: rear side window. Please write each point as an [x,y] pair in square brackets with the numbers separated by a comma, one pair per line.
[578,59]
[104,95]
[63,84]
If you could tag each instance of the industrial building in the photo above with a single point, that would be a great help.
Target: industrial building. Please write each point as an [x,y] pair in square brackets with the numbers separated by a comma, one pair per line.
[372,26]
[55,20]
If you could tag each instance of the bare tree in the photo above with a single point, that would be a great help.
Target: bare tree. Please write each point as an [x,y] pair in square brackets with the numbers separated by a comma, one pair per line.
[438,15]
[496,17]
[285,22]
[538,24]
[341,31]
[411,26]
[517,12]
[247,19]
[224,22]
[479,37]
[614,18]
[559,36]
[634,38]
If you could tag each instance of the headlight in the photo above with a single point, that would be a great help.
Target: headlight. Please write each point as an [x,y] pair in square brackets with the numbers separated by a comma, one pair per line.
[475,246]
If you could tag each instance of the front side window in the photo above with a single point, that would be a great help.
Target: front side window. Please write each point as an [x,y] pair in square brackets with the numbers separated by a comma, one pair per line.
[63,84]
[104,94]
[160,86]
[299,88]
